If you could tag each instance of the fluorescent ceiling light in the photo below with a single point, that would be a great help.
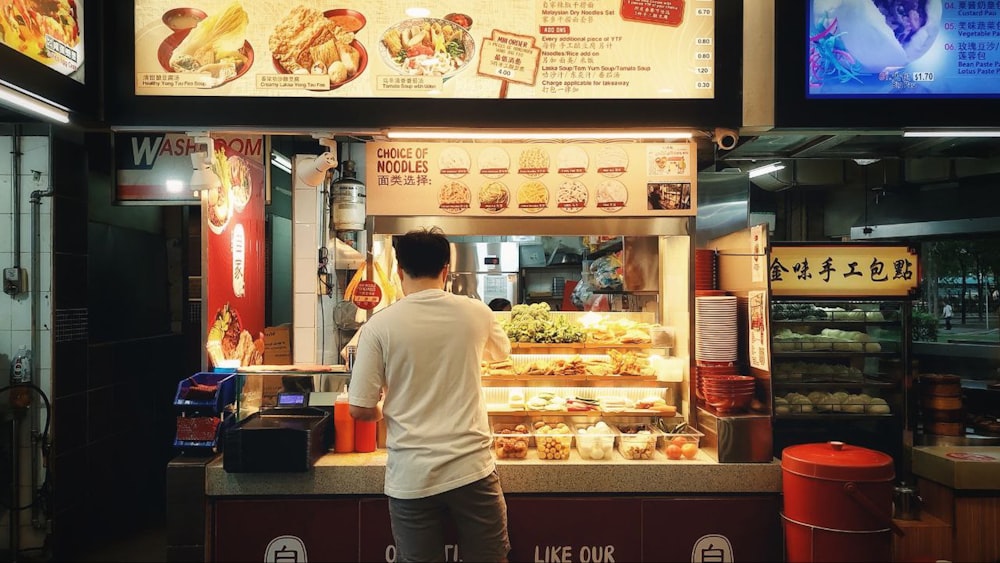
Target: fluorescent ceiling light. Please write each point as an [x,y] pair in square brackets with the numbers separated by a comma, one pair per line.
[12,96]
[453,135]
[174,186]
[953,133]
[766,169]
[281,162]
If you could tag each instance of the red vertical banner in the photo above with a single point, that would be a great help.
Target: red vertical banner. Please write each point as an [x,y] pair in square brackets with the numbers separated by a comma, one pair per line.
[233,247]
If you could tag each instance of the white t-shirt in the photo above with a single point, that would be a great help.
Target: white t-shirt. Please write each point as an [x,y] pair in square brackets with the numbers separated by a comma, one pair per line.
[426,350]
[947,311]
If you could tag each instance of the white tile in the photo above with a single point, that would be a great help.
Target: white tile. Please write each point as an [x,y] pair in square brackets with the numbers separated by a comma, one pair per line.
[304,276]
[45,382]
[45,276]
[6,231]
[45,321]
[304,310]
[35,154]
[44,355]
[6,145]
[304,241]
[21,312]
[6,310]
[304,345]
[5,334]
[18,338]
[6,189]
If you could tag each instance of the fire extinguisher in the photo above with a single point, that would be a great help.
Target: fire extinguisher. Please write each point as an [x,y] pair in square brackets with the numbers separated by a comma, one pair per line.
[20,372]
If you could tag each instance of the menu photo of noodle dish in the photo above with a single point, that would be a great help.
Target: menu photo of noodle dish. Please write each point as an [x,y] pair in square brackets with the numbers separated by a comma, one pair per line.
[494,197]
[454,197]
[430,47]
[532,197]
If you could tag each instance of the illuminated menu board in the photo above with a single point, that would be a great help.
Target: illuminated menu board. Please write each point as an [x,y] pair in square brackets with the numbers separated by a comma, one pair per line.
[903,48]
[50,32]
[481,49]
[532,179]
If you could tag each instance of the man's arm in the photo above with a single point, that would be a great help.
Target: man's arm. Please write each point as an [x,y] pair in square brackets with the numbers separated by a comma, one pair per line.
[368,414]
[497,344]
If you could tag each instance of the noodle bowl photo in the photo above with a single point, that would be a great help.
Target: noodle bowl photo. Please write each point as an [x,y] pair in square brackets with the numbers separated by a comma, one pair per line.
[427,47]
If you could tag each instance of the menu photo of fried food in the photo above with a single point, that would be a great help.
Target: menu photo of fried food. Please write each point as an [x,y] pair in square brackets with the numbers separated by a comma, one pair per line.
[215,48]
[228,340]
[28,25]
[532,197]
[308,41]
[454,197]
[219,209]
[494,197]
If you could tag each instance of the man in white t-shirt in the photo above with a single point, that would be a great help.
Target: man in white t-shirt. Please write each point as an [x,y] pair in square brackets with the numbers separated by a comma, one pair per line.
[947,314]
[423,355]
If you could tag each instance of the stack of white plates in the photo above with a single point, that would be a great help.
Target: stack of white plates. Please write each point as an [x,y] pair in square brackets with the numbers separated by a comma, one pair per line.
[715,329]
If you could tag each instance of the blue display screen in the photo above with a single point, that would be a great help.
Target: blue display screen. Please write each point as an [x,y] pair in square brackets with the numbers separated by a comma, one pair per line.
[291,399]
[903,48]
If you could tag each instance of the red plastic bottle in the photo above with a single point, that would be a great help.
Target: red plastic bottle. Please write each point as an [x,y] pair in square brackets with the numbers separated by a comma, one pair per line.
[364,436]
[343,425]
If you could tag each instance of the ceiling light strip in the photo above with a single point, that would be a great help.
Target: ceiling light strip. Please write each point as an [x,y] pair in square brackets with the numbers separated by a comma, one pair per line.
[13,97]
[766,169]
[452,135]
[281,162]
[953,133]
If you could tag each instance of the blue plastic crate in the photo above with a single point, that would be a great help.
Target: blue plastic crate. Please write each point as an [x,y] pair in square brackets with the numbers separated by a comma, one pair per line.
[212,446]
[225,393]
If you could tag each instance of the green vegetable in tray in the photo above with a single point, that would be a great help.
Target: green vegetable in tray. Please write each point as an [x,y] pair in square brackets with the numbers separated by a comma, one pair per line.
[533,323]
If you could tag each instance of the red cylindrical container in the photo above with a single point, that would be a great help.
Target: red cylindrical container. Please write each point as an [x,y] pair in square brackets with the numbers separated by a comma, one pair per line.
[364,436]
[837,503]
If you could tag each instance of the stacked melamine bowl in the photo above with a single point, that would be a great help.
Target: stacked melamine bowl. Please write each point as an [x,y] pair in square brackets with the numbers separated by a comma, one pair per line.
[727,393]
[715,330]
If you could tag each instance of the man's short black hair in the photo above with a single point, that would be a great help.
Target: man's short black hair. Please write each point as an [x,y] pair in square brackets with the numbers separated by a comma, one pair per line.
[422,253]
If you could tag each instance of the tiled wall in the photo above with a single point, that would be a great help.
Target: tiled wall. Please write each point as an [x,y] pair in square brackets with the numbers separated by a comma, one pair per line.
[15,313]
[307,204]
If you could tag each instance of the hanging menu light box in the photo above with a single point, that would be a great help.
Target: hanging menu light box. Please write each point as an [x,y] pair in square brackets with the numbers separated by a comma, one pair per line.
[882,49]
[846,270]
[481,49]
[49,32]
[543,179]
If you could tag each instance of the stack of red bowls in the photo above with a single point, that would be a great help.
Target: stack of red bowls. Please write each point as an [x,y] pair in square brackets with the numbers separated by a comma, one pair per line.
[705,269]
[726,393]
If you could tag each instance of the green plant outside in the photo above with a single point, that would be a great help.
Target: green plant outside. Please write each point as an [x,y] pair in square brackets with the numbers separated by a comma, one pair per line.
[925,326]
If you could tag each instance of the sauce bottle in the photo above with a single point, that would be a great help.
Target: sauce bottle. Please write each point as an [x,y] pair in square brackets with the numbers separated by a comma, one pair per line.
[364,435]
[343,425]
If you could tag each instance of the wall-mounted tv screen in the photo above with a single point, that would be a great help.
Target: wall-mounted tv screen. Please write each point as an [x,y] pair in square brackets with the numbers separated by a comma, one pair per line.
[903,48]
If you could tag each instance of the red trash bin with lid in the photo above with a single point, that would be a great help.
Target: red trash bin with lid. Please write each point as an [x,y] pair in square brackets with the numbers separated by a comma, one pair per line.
[837,503]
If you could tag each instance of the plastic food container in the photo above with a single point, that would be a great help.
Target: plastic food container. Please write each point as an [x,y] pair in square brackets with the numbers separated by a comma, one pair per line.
[511,440]
[595,441]
[553,440]
[638,441]
[685,444]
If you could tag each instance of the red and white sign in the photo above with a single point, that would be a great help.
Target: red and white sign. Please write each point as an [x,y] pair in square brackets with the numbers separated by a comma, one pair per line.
[367,295]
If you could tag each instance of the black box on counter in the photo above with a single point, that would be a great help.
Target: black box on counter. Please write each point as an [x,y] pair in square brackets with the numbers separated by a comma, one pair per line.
[280,440]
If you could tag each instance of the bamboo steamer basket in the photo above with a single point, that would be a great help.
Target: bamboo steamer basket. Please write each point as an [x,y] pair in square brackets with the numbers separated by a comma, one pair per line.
[941,406]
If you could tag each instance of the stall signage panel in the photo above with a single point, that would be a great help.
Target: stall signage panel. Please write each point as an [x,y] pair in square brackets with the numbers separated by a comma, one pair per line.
[532,179]
[933,50]
[48,32]
[843,270]
[233,234]
[566,530]
[286,531]
[154,169]
[714,530]
[476,49]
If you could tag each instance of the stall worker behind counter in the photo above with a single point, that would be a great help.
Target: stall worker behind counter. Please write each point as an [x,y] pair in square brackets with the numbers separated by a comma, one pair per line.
[418,364]
[499,304]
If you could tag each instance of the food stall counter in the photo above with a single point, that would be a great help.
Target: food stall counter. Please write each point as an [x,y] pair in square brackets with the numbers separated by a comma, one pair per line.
[364,473]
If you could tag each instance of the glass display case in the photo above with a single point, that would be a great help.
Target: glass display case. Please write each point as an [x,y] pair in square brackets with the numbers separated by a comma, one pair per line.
[838,371]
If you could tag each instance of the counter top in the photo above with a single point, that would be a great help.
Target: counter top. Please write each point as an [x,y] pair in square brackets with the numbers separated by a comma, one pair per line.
[364,474]
[959,467]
